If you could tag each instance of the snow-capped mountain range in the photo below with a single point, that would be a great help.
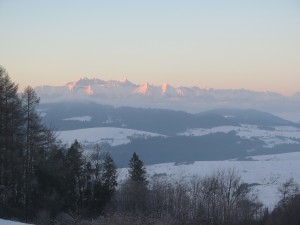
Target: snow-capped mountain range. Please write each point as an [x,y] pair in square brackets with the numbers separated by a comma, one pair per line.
[190,99]
[111,89]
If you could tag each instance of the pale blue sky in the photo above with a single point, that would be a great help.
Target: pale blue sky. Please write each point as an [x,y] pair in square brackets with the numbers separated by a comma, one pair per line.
[252,44]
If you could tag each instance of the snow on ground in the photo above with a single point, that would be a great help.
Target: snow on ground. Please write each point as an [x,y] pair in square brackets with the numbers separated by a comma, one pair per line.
[268,172]
[8,222]
[274,136]
[110,135]
[292,156]
[80,118]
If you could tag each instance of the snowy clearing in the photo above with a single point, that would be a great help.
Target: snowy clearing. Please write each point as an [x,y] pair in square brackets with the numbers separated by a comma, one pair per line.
[268,172]
[272,137]
[80,118]
[99,135]
[8,222]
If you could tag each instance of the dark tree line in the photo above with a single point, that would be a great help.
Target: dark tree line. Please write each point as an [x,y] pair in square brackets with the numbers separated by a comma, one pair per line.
[37,173]
[220,199]
[287,211]
[23,142]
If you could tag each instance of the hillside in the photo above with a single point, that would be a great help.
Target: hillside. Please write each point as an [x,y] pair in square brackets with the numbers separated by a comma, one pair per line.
[172,136]
[263,173]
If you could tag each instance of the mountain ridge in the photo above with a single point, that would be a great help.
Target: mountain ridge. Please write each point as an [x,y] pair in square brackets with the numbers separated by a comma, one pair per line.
[189,99]
[85,82]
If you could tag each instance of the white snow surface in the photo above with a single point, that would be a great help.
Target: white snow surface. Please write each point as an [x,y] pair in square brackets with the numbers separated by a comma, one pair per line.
[9,222]
[110,135]
[80,118]
[268,172]
[275,136]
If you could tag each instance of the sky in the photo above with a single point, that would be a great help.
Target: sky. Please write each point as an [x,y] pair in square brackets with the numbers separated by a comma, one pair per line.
[232,44]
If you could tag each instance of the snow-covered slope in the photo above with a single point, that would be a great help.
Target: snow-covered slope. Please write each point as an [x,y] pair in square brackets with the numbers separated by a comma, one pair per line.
[217,143]
[100,135]
[9,222]
[266,172]
[272,136]
[80,118]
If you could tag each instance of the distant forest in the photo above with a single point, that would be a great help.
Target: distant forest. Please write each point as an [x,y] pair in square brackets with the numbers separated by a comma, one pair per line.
[218,146]
[45,182]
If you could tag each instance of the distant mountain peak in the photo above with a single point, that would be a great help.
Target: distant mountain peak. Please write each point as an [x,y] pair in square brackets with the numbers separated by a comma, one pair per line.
[143,89]
[85,82]
[71,85]
[124,81]
[180,92]
[164,88]
[89,90]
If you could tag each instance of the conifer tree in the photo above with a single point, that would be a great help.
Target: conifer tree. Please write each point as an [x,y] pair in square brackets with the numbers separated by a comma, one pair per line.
[134,191]
[75,163]
[137,171]
[109,177]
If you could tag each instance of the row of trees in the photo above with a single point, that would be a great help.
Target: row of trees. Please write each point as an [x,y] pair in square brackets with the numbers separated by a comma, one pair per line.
[23,142]
[37,173]
[217,199]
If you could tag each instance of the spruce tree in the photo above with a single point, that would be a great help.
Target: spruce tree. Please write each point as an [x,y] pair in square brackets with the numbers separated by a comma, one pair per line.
[137,170]
[75,165]
[109,177]
[106,186]
[134,191]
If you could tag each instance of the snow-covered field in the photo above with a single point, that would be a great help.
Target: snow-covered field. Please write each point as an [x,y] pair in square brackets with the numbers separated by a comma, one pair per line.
[110,135]
[269,172]
[80,118]
[8,222]
[272,137]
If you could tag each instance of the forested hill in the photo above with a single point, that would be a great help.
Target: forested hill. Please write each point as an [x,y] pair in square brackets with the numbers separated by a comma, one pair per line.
[62,116]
